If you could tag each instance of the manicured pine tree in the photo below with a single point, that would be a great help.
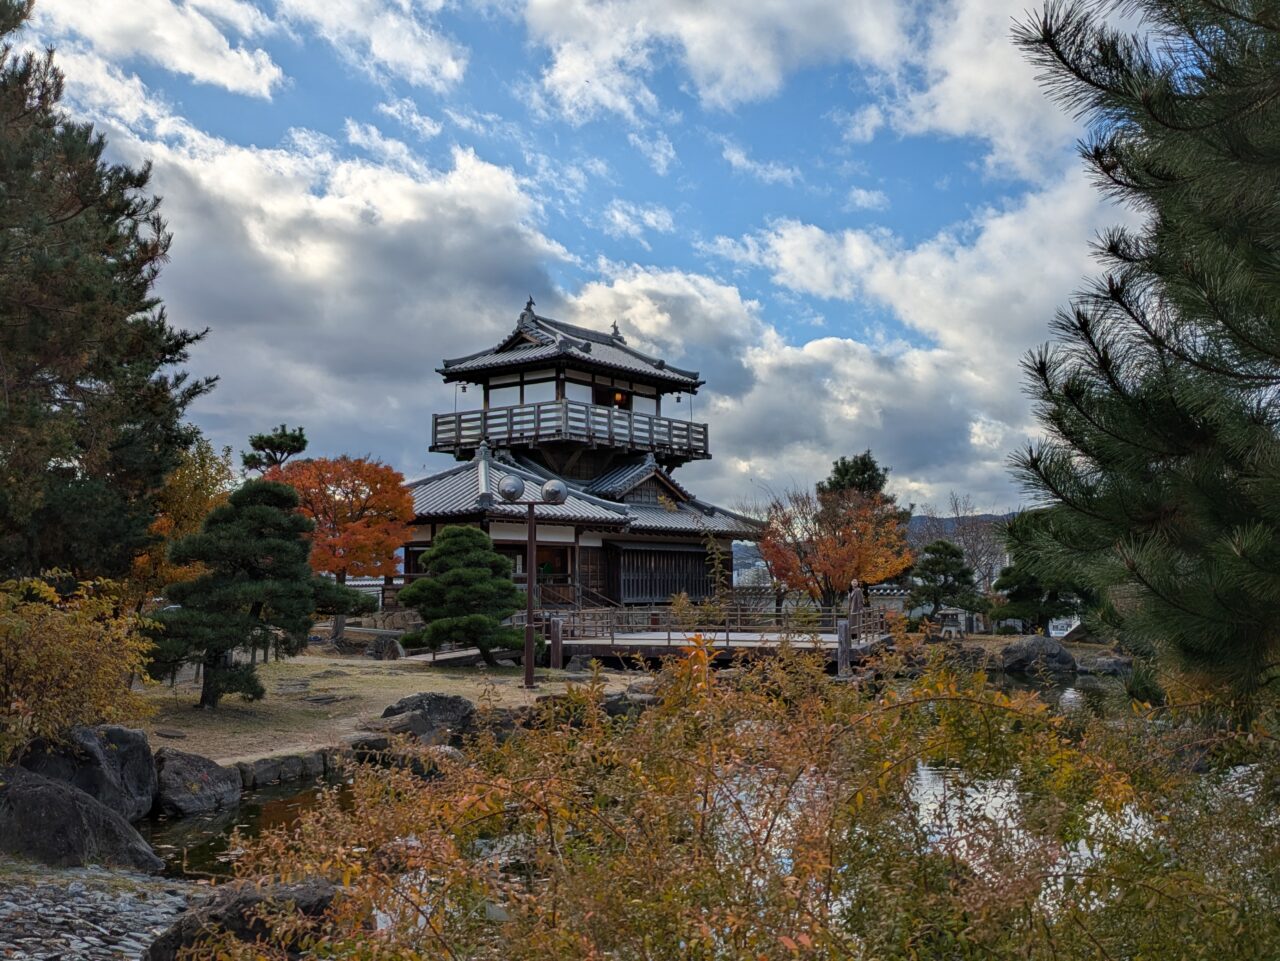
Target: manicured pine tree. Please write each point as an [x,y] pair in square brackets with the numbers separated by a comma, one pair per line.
[91,404]
[258,590]
[1160,473]
[941,578]
[1031,600]
[272,450]
[468,593]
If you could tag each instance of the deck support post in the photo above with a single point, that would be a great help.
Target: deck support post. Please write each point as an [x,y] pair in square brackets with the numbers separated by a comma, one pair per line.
[557,643]
[843,649]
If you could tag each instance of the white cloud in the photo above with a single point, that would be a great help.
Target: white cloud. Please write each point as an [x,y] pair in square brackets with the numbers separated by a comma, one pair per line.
[622,218]
[658,150]
[861,198]
[603,51]
[332,285]
[400,37]
[861,125]
[405,111]
[180,37]
[976,83]
[394,153]
[690,319]
[769,172]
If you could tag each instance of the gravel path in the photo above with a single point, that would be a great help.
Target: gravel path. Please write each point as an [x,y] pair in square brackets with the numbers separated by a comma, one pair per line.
[86,914]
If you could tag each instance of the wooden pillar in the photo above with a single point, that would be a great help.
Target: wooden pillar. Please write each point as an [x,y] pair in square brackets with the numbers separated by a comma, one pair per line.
[843,652]
[557,643]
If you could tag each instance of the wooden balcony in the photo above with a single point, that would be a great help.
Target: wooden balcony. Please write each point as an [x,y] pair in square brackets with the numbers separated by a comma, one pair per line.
[527,425]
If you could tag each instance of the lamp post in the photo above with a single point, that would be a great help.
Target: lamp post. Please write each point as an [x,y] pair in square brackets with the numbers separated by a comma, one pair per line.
[553,492]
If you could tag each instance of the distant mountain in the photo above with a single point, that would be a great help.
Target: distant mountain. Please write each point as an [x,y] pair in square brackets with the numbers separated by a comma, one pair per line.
[922,522]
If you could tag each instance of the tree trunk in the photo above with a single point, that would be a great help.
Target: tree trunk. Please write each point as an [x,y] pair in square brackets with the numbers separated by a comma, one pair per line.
[209,688]
[486,655]
[339,620]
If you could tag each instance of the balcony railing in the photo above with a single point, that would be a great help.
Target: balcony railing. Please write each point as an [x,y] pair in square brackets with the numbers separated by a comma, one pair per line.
[568,420]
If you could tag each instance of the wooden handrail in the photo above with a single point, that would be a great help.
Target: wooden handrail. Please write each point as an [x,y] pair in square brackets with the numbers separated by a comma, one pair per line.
[569,420]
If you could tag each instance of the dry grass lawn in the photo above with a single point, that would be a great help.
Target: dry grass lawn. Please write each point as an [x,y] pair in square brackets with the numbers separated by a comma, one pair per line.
[356,690]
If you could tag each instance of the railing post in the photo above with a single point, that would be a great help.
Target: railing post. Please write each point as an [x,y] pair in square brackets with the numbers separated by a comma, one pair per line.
[843,652]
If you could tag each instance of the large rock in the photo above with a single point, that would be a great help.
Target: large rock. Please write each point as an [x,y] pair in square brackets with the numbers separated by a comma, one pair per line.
[191,784]
[110,763]
[281,767]
[1037,655]
[1109,665]
[431,717]
[233,909]
[385,649]
[54,822]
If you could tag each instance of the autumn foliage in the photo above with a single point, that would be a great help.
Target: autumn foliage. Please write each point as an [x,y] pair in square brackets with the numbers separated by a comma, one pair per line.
[819,542]
[64,661]
[202,481]
[361,510]
[773,815]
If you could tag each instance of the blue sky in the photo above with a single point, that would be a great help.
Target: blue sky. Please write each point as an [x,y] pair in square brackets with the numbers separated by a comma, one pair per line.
[852,216]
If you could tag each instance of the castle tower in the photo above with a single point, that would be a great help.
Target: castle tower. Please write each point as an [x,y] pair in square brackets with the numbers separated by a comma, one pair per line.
[557,400]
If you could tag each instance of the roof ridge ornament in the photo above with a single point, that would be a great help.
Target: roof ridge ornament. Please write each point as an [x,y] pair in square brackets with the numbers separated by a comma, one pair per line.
[527,315]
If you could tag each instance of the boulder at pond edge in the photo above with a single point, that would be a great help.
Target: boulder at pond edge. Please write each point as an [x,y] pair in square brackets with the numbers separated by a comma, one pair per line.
[109,763]
[191,784]
[56,823]
[233,908]
[431,717]
[1037,655]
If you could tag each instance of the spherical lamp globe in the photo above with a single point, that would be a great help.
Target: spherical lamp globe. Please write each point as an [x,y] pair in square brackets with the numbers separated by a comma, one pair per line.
[511,488]
[555,492]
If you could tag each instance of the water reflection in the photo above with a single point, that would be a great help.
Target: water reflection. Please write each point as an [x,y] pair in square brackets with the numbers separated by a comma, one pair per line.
[198,846]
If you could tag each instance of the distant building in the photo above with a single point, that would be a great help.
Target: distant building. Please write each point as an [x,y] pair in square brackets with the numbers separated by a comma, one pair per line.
[554,400]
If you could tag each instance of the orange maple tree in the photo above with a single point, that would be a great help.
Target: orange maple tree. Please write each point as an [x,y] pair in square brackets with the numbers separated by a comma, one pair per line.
[361,510]
[201,481]
[819,542]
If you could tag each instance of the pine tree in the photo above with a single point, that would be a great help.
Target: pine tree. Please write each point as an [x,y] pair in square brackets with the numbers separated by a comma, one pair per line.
[272,450]
[90,403]
[859,473]
[1031,600]
[468,593]
[1161,468]
[258,591]
[942,578]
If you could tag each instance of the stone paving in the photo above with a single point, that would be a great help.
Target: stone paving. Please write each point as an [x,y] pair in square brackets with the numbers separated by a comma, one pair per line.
[83,914]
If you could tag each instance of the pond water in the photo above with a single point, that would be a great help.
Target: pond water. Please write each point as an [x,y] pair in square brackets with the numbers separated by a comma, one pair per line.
[197,847]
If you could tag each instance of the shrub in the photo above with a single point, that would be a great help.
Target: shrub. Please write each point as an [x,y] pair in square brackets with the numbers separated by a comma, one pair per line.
[468,594]
[777,815]
[1007,630]
[64,661]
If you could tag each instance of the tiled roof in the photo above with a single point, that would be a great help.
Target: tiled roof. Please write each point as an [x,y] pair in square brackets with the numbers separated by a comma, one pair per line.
[458,493]
[693,517]
[554,339]
[472,488]
[626,477]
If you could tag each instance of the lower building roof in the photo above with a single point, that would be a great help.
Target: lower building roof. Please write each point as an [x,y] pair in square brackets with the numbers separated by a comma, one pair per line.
[471,490]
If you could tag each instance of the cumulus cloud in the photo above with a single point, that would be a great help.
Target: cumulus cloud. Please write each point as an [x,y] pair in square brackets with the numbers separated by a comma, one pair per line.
[603,52]
[398,37]
[406,112]
[860,198]
[861,125]
[332,285]
[769,172]
[184,38]
[691,319]
[977,84]
[657,149]
[622,218]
